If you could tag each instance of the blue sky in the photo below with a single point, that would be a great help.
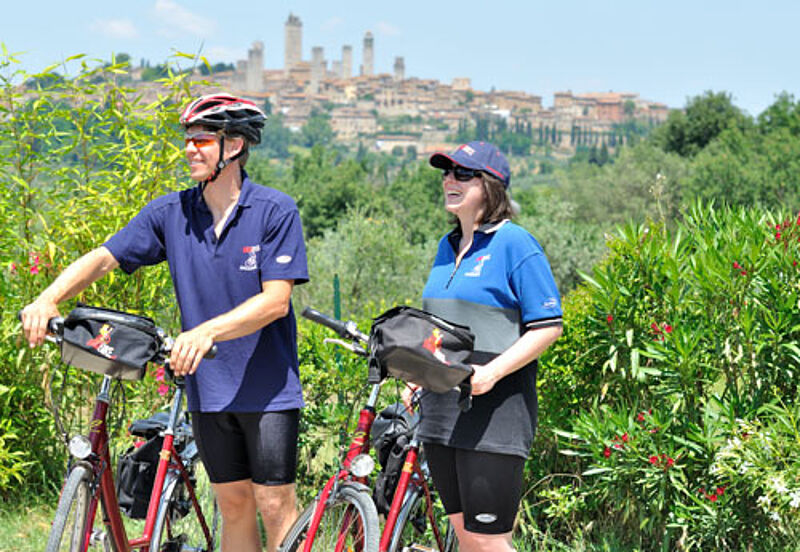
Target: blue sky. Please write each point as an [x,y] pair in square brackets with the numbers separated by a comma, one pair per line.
[666,51]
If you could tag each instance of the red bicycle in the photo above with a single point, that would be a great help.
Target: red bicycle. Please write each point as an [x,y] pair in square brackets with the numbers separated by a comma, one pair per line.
[181,513]
[344,517]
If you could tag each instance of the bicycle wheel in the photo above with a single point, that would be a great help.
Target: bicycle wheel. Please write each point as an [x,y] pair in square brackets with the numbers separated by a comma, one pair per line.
[69,525]
[177,524]
[412,532]
[349,524]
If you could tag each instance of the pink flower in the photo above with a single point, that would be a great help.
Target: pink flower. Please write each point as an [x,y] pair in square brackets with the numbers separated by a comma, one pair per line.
[35,269]
[13,267]
[163,389]
[159,373]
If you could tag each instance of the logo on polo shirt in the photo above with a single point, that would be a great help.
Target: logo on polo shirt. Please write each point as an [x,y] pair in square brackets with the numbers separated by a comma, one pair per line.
[476,270]
[250,263]
[551,303]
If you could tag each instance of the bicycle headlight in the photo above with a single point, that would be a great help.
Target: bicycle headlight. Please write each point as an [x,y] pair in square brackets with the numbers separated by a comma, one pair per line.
[80,447]
[362,465]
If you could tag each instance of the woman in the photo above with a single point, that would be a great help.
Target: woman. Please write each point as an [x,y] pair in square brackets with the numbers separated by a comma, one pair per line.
[491,275]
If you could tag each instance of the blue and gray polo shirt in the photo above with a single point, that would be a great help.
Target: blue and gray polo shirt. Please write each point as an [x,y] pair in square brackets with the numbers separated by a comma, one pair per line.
[262,240]
[502,288]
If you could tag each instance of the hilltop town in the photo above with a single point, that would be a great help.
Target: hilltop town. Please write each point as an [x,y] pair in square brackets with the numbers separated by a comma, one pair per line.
[387,111]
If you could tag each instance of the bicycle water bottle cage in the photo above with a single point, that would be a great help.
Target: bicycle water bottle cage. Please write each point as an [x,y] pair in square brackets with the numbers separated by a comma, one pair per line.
[109,342]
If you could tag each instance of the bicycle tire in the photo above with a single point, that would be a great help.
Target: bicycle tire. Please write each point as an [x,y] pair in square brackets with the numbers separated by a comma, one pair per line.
[363,532]
[411,527]
[177,524]
[71,513]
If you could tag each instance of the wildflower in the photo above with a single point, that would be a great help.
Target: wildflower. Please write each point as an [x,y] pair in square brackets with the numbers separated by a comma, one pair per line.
[159,373]
[12,267]
[667,328]
[163,389]
[795,502]
[775,516]
[655,328]
[654,460]
[624,437]
[778,485]
[744,273]
[713,498]
[670,462]
[35,269]
[640,417]
[737,266]
[720,490]
[609,319]
[607,452]
[763,501]
[618,446]
[777,235]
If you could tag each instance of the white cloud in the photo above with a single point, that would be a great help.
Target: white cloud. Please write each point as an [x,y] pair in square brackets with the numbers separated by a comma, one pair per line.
[387,29]
[217,54]
[332,23]
[114,28]
[176,20]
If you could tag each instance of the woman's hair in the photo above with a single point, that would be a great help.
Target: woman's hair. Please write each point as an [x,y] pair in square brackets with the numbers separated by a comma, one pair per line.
[497,204]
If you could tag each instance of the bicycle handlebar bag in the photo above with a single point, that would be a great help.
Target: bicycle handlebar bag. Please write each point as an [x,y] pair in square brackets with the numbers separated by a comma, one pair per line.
[109,342]
[419,347]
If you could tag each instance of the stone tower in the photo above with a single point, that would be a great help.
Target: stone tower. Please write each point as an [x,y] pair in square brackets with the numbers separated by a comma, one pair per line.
[399,69]
[347,62]
[367,67]
[254,81]
[293,42]
[317,68]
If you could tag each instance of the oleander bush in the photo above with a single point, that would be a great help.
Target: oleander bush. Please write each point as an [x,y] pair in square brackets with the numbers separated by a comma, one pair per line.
[671,399]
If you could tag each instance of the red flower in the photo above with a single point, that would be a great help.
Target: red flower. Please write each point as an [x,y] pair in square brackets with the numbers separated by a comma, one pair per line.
[640,416]
[655,328]
[654,460]
[744,273]
[736,265]
[607,452]
[618,446]
[667,328]
[624,437]
[777,227]
[609,319]
[777,235]
[670,462]
[713,498]
[720,490]
[35,269]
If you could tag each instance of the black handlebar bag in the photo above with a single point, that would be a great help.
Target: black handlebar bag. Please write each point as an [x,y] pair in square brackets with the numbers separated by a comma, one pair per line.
[109,342]
[421,348]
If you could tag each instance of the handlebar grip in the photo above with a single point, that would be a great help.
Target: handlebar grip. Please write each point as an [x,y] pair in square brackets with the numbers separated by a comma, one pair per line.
[212,352]
[336,325]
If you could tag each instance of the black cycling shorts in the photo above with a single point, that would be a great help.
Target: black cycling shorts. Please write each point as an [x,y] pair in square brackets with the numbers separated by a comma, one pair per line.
[261,446]
[485,486]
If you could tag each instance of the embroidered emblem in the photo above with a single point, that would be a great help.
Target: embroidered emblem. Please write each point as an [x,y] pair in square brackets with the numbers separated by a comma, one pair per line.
[251,262]
[434,344]
[486,518]
[476,271]
[101,341]
[551,303]
[467,149]
[284,259]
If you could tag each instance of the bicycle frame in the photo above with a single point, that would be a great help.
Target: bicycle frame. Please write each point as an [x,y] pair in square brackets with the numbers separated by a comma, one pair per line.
[410,477]
[105,493]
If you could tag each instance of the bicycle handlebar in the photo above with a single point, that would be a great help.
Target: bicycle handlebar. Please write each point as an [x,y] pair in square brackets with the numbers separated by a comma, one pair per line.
[346,330]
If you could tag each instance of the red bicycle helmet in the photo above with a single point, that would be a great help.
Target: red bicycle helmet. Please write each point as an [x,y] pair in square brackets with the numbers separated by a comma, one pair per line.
[235,116]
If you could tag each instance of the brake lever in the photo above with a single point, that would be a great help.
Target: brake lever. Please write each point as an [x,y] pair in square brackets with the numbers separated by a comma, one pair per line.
[349,345]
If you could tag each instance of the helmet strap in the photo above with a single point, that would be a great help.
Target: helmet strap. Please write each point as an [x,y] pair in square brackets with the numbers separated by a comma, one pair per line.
[222,163]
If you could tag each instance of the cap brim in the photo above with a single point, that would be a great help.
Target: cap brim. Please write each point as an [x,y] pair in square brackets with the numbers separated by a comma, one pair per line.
[441,161]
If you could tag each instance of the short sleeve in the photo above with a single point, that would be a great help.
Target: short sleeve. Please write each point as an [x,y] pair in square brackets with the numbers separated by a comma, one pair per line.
[533,284]
[141,241]
[284,251]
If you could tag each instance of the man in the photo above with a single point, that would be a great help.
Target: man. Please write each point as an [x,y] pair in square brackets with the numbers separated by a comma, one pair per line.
[235,250]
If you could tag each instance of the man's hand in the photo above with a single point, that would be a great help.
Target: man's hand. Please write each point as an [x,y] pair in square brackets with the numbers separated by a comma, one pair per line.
[189,349]
[483,379]
[34,320]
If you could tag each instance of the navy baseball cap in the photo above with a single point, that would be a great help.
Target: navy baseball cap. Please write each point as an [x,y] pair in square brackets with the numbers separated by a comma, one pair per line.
[480,156]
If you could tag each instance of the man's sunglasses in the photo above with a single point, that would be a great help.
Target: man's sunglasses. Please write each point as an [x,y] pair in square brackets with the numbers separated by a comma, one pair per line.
[462,174]
[200,139]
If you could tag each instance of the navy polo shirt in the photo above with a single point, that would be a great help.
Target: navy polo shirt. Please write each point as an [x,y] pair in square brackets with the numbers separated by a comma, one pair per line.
[262,240]
[502,288]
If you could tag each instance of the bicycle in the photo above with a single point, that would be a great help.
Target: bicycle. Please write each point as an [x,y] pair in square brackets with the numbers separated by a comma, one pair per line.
[343,517]
[181,495]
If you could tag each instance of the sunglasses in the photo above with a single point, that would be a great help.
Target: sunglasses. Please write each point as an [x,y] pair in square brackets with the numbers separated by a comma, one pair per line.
[462,174]
[200,139]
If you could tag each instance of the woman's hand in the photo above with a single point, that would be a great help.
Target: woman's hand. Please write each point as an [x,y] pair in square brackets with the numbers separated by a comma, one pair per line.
[407,396]
[483,380]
